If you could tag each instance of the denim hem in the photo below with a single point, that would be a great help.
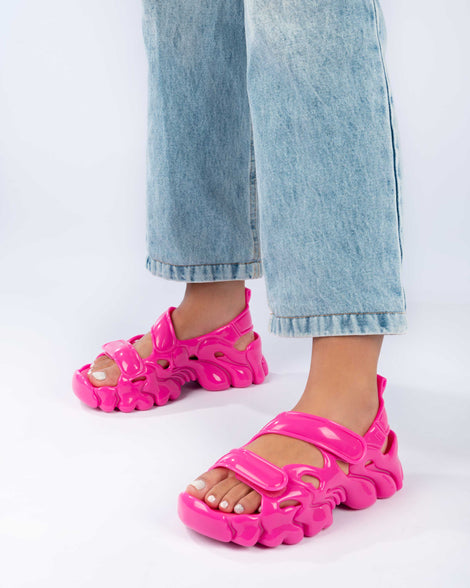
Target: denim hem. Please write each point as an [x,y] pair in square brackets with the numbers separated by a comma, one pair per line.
[205,272]
[328,325]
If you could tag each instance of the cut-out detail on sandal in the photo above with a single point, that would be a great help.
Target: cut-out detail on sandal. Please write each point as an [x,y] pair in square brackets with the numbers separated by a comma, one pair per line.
[287,503]
[219,354]
[193,357]
[343,466]
[139,379]
[387,445]
[313,480]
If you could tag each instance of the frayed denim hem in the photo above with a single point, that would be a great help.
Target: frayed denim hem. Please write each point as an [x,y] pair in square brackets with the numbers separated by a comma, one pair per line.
[206,272]
[329,325]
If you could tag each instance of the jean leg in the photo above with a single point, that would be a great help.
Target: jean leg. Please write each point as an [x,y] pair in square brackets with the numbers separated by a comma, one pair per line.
[327,167]
[202,217]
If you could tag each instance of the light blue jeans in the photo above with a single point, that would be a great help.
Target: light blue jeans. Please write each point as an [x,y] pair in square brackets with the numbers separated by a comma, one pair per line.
[273,151]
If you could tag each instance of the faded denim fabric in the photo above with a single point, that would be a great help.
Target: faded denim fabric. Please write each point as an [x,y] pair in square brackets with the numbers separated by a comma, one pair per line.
[273,151]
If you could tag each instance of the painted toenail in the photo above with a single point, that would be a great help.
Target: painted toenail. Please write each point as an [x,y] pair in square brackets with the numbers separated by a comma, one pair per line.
[211,498]
[99,376]
[238,508]
[198,484]
[223,504]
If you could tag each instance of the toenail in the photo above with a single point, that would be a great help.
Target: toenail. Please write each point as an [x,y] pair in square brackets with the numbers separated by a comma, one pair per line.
[198,484]
[223,504]
[211,498]
[238,508]
[99,376]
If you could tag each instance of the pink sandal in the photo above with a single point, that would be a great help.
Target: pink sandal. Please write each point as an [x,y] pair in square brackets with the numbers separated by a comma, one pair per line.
[372,474]
[211,359]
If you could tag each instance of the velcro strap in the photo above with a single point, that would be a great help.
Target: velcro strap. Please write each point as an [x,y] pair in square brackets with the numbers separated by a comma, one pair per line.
[126,357]
[253,470]
[321,432]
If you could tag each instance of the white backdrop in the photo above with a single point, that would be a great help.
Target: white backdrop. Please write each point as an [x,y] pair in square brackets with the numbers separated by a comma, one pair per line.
[72,254]
[72,141]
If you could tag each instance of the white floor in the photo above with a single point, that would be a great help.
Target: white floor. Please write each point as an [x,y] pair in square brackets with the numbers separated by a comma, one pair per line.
[88,499]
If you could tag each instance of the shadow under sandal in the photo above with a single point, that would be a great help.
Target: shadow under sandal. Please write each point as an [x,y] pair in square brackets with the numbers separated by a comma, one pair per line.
[372,474]
[210,359]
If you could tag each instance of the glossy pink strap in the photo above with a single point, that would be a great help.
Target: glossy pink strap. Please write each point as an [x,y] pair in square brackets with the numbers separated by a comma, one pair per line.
[253,469]
[381,383]
[163,334]
[243,322]
[326,434]
[126,357]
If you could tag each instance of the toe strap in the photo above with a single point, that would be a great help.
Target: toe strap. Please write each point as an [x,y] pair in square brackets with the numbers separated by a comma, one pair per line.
[126,357]
[253,470]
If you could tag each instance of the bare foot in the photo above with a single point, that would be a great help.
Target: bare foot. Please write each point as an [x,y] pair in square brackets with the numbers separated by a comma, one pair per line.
[342,387]
[219,487]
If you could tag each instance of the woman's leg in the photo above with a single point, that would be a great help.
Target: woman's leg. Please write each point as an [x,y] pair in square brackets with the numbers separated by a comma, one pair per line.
[202,221]
[327,167]
[328,181]
[202,217]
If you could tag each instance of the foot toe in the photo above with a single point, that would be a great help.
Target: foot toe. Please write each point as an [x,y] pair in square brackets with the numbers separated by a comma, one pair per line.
[217,493]
[233,496]
[103,376]
[219,488]
[248,504]
[102,362]
[204,483]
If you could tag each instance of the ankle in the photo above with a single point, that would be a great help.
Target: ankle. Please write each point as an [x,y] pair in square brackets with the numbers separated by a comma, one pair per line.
[354,407]
[220,298]
[208,306]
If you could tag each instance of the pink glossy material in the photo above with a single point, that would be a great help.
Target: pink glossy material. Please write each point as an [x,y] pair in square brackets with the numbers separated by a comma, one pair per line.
[144,383]
[372,474]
